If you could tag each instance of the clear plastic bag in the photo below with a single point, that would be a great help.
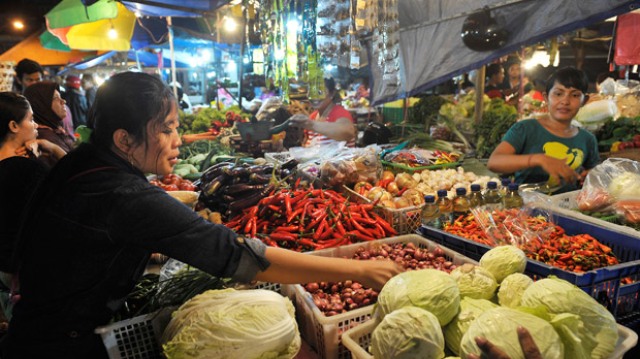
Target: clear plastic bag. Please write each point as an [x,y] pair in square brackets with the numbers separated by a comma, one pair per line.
[518,227]
[614,180]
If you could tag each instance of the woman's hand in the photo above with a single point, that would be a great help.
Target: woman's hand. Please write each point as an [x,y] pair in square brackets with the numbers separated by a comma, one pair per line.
[374,274]
[529,347]
[557,168]
[301,121]
[47,148]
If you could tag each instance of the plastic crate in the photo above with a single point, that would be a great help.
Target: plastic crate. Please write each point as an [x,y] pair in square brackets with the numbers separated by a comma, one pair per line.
[277,158]
[323,333]
[139,337]
[404,220]
[358,340]
[566,203]
[603,284]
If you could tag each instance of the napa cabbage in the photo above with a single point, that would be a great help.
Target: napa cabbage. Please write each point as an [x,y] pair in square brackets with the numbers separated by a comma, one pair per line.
[233,324]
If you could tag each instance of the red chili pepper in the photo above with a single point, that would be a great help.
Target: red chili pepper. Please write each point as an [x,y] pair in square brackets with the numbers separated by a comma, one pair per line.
[283,236]
[387,227]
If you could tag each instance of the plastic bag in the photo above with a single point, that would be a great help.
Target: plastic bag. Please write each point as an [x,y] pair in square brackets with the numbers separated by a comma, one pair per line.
[352,166]
[271,105]
[519,227]
[613,180]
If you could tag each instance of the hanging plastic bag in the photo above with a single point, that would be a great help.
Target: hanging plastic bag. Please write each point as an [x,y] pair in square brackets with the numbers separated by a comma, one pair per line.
[627,43]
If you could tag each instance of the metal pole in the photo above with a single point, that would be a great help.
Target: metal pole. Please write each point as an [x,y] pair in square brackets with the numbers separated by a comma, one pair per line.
[480,75]
[242,49]
[173,59]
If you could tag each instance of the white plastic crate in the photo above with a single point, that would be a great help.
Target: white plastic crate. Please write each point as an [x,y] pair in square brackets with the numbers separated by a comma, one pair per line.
[566,204]
[323,333]
[139,337]
[358,340]
[404,220]
[278,158]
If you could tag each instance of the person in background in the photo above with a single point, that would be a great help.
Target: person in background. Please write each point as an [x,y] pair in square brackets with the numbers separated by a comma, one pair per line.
[511,83]
[96,219]
[49,110]
[329,122]
[362,91]
[76,100]
[28,72]
[495,78]
[19,176]
[90,87]
[549,148]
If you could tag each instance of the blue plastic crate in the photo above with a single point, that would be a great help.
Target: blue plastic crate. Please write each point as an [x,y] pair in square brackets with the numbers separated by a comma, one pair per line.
[603,284]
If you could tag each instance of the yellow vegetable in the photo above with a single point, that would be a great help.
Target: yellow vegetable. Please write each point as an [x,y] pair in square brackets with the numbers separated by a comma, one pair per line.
[615,147]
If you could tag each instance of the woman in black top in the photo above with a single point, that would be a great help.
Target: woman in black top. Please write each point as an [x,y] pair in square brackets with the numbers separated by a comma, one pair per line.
[48,112]
[96,220]
[19,175]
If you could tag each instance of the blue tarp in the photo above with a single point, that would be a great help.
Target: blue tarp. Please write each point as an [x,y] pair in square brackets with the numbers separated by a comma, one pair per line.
[176,8]
[146,59]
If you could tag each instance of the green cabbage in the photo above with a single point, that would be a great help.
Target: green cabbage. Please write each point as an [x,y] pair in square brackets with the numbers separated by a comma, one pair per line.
[233,324]
[429,289]
[512,288]
[470,309]
[559,296]
[474,281]
[499,326]
[504,260]
[625,185]
[408,332]
[577,341]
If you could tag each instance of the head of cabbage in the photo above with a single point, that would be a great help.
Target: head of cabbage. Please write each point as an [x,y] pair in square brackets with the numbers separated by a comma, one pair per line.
[233,324]
[430,289]
[408,332]
[470,309]
[594,329]
[474,281]
[499,326]
[504,260]
[512,288]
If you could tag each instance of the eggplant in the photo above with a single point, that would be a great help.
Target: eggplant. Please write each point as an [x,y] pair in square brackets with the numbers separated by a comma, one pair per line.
[214,171]
[259,178]
[290,164]
[244,187]
[248,201]
[261,168]
[210,188]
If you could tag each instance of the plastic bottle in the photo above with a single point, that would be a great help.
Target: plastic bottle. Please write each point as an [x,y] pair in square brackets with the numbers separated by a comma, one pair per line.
[475,197]
[431,212]
[505,186]
[445,206]
[461,203]
[512,199]
[492,198]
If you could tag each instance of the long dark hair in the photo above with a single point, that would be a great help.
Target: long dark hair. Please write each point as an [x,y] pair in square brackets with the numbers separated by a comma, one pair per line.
[40,96]
[128,101]
[13,107]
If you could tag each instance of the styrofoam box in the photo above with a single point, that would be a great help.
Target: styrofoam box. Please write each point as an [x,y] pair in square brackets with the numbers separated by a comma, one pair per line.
[323,333]
[358,340]
[566,204]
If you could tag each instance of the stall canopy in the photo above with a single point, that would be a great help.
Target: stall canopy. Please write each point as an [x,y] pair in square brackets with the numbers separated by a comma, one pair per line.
[32,48]
[144,58]
[431,47]
[176,8]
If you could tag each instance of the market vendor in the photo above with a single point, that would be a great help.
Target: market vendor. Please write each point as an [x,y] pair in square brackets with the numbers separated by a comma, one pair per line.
[329,122]
[96,219]
[549,148]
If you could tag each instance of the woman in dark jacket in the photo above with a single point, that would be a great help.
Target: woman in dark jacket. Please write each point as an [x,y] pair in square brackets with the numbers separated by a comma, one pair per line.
[96,220]
[48,112]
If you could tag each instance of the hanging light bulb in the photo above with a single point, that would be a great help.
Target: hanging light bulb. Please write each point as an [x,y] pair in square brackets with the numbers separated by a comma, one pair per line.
[112,33]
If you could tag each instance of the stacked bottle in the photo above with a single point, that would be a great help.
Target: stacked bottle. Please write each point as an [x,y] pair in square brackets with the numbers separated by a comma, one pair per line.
[505,186]
[512,199]
[431,212]
[475,197]
[492,198]
[445,206]
[461,203]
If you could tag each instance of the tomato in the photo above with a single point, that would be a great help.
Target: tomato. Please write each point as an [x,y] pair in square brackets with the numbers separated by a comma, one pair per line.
[170,187]
[186,186]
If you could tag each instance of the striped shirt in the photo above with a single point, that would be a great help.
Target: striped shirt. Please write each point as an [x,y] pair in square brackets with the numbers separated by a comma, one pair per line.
[316,139]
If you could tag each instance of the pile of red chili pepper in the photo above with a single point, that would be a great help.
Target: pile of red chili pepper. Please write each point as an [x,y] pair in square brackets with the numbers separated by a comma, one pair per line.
[310,219]
[550,244]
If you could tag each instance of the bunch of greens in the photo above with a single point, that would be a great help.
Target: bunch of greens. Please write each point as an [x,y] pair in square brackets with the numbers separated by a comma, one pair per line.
[497,118]
[425,111]
[622,129]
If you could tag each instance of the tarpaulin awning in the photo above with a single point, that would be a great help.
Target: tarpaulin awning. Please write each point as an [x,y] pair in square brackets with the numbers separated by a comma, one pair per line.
[32,48]
[144,58]
[431,47]
[174,8]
